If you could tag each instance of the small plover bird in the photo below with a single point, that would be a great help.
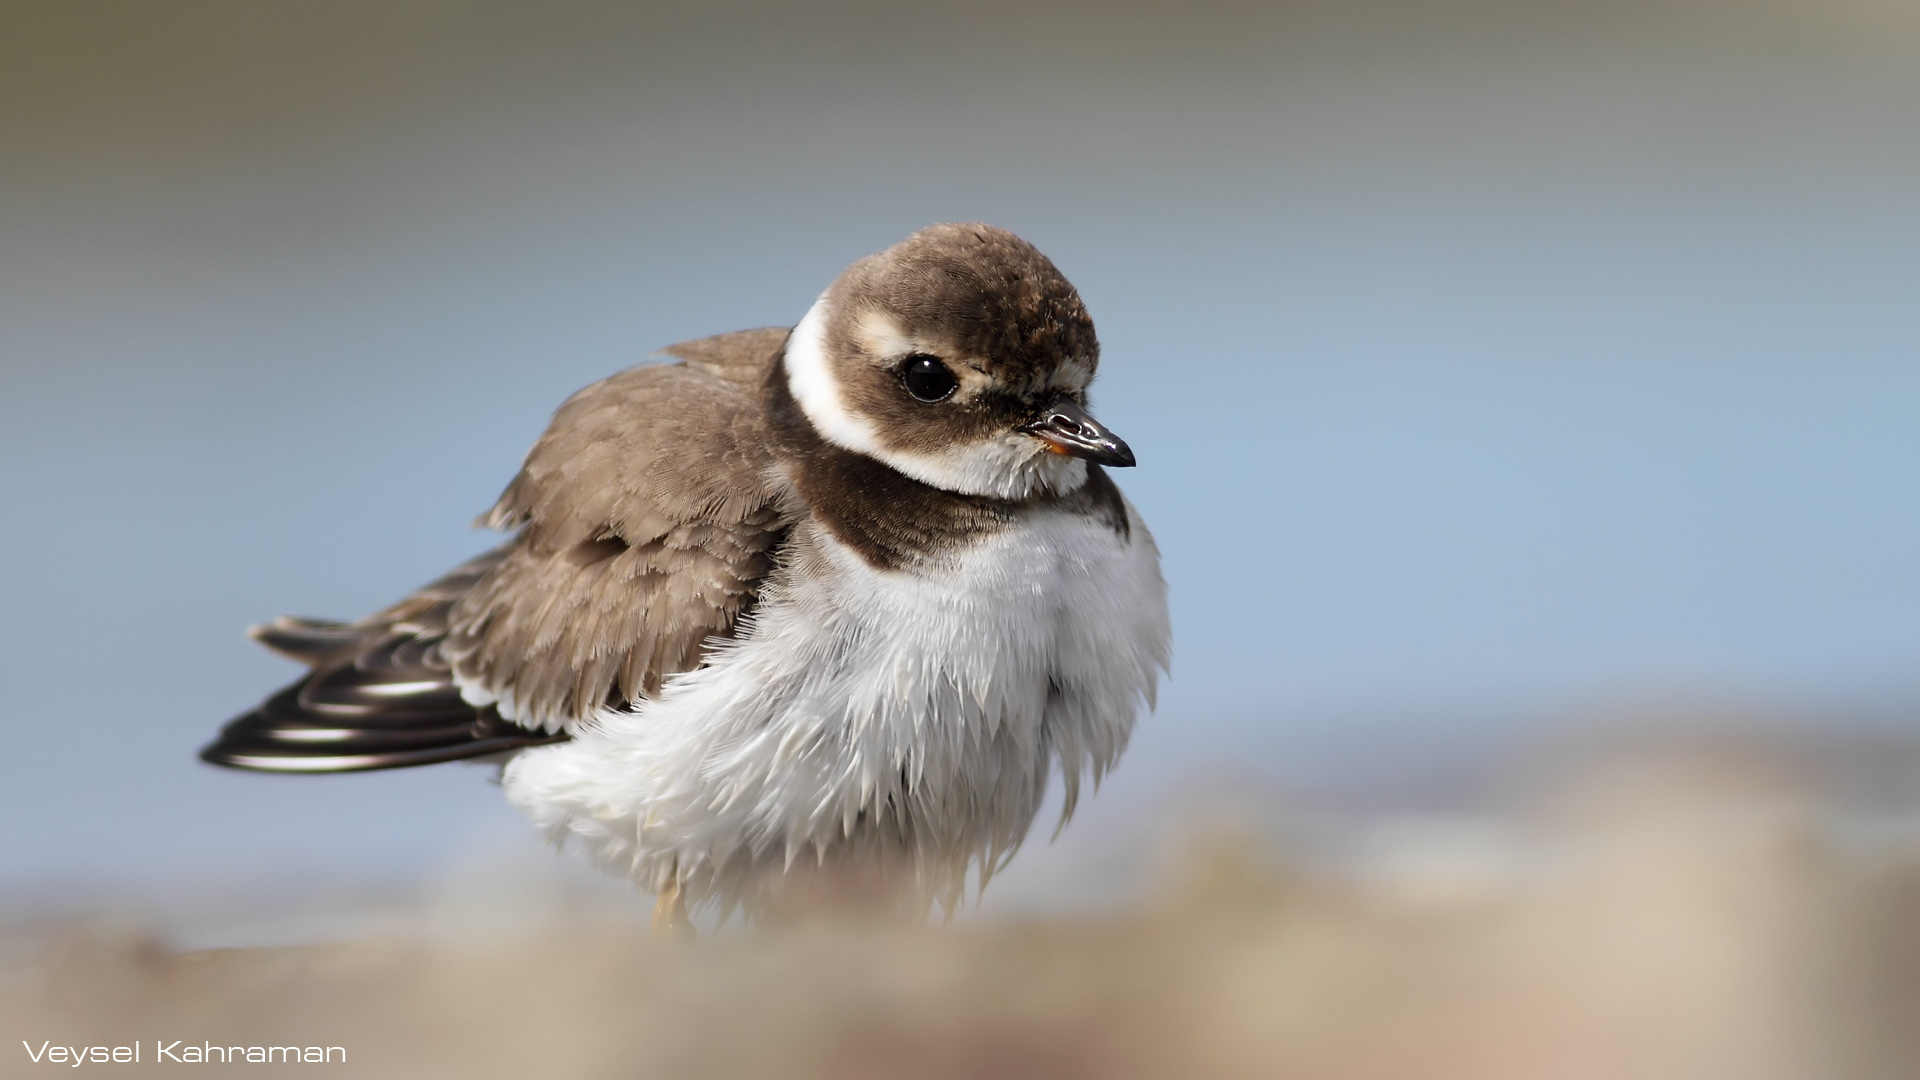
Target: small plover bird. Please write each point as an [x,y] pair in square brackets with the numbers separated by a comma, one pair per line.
[839,598]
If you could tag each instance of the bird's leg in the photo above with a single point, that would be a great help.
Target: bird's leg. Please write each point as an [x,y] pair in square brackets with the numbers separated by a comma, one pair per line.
[670,922]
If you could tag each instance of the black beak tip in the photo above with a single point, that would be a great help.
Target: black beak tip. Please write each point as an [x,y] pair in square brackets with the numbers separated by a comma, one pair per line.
[1068,428]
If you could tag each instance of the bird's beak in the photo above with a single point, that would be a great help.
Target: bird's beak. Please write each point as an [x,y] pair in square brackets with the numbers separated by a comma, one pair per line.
[1067,429]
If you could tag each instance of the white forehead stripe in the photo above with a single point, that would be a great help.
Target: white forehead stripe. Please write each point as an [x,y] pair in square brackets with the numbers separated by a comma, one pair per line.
[814,386]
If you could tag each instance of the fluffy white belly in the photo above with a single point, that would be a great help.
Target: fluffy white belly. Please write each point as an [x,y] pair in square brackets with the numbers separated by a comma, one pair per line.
[907,718]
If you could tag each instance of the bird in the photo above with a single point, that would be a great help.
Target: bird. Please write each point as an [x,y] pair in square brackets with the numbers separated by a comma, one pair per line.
[832,601]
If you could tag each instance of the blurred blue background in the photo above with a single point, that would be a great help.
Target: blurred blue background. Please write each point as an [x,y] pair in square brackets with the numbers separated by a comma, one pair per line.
[1491,365]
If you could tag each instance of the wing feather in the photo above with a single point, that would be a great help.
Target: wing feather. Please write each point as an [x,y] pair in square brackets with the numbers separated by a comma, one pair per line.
[645,520]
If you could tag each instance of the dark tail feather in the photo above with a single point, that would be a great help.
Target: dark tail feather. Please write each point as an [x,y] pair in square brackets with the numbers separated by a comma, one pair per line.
[284,736]
[310,641]
[372,702]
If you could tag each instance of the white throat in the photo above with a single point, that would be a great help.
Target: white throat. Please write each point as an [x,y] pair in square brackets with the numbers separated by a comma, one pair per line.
[1009,466]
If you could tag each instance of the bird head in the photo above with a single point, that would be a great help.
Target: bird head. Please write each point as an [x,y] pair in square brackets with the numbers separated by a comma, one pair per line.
[959,357]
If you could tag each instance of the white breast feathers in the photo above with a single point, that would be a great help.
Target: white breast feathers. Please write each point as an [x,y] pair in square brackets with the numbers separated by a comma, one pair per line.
[905,719]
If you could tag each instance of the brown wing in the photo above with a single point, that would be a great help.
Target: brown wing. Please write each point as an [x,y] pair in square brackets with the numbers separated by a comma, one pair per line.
[647,516]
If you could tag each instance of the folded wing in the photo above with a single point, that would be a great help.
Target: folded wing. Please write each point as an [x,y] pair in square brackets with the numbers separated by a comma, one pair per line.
[645,519]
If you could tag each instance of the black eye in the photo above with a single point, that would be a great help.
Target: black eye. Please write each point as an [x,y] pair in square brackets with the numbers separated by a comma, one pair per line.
[928,379]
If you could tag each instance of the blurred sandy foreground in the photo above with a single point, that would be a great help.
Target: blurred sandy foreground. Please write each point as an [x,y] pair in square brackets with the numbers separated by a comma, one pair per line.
[1678,917]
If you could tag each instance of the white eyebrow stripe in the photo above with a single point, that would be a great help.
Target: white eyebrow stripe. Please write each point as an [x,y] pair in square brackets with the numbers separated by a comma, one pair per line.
[883,336]
[1009,466]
